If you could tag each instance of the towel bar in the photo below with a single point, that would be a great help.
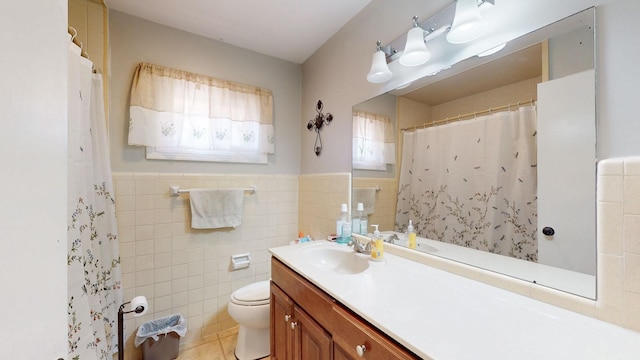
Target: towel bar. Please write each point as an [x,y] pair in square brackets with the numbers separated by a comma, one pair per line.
[376,188]
[176,191]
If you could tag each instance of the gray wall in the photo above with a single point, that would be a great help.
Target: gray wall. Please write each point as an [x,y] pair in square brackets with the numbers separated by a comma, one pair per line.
[135,40]
[336,73]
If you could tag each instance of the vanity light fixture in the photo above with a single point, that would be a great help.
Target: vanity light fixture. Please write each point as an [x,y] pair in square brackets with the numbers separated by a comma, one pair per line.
[317,123]
[462,21]
[415,50]
[379,69]
[467,24]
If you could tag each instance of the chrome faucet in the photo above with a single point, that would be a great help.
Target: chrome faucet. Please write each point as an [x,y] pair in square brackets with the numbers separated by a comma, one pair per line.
[359,247]
[392,238]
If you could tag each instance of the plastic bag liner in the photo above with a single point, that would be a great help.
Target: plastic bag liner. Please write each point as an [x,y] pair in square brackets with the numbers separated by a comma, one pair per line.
[163,326]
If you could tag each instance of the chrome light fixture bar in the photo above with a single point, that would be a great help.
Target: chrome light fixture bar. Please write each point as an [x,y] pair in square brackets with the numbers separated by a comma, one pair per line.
[461,18]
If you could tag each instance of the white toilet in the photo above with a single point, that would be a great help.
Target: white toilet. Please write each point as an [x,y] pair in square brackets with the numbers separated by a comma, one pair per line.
[249,307]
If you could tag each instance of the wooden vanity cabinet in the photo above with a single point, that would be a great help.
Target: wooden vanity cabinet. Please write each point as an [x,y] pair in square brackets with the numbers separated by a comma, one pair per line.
[307,324]
[294,334]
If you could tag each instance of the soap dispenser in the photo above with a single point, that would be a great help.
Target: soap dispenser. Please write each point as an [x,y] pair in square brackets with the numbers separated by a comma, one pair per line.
[412,235]
[377,248]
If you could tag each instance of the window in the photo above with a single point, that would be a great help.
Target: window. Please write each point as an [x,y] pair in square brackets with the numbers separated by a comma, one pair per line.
[373,141]
[179,115]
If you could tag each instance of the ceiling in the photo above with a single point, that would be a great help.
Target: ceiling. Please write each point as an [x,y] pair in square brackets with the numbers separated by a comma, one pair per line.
[520,65]
[291,30]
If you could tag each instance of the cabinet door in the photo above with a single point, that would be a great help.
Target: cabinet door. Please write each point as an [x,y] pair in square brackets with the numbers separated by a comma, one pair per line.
[339,353]
[282,336]
[312,342]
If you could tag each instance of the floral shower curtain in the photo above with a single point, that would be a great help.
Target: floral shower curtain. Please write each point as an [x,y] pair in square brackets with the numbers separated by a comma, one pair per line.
[473,183]
[94,274]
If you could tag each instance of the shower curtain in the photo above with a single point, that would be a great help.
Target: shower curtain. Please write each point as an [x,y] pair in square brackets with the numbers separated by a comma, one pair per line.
[93,274]
[473,183]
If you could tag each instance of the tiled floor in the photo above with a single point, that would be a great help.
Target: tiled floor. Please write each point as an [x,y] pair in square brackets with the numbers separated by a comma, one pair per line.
[215,347]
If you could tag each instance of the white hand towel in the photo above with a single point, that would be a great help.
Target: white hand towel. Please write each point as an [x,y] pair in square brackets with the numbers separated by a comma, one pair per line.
[214,209]
[366,196]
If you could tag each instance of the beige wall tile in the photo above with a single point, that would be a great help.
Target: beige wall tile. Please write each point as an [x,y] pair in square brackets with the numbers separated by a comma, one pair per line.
[610,222]
[632,273]
[610,188]
[611,167]
[632,195]
[186,271]
[632,234]
[631,166]
[631,313]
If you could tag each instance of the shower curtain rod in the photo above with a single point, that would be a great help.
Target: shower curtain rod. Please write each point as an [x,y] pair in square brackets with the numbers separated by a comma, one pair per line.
[468,115]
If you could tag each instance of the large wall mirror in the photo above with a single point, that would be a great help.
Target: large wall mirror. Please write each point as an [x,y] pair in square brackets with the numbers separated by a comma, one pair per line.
[494,159]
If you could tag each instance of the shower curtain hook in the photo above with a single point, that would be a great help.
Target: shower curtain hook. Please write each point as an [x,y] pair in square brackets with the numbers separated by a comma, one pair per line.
[75,33]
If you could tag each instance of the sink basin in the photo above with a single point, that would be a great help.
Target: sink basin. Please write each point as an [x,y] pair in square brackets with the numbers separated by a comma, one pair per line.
[335,258]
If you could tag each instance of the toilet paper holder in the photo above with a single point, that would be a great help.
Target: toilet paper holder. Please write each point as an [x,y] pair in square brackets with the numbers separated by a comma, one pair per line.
[240,261]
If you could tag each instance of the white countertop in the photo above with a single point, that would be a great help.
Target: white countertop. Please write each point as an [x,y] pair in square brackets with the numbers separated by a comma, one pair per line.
[444,316]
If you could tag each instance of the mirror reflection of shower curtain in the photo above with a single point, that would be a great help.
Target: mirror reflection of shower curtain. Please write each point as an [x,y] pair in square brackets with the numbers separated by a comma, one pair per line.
[473,183]
[94,278]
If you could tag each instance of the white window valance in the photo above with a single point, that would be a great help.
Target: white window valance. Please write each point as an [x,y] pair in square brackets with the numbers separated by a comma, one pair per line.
[373,141]
[185,116]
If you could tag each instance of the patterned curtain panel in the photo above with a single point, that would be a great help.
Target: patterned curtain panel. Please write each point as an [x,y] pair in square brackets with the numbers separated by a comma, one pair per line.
[94,275]
[373,141]
[184,112]
[473,183]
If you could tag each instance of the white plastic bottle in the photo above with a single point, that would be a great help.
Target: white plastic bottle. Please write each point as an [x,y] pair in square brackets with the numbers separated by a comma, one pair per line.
[341,237]
[355,221]
[364,220]
[412,235]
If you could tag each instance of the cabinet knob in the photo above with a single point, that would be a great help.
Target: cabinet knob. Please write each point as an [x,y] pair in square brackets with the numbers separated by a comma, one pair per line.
[287,318]
[548,231]
[361,349]
[293,325]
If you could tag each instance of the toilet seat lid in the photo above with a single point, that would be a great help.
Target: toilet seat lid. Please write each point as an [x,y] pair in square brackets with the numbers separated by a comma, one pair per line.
[253,294]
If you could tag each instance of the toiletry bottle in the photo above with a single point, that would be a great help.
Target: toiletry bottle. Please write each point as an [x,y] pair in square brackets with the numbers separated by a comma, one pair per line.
[341,237]
[412,235]
[377,246]
[355,221]
[364,221]
[347,229]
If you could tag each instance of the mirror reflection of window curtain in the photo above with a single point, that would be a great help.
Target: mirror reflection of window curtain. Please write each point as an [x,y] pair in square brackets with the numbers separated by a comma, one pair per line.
[373,141]
[473,183]
[178,110]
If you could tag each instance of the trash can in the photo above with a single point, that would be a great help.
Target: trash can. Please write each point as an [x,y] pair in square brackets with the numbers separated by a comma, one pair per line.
[160,339]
